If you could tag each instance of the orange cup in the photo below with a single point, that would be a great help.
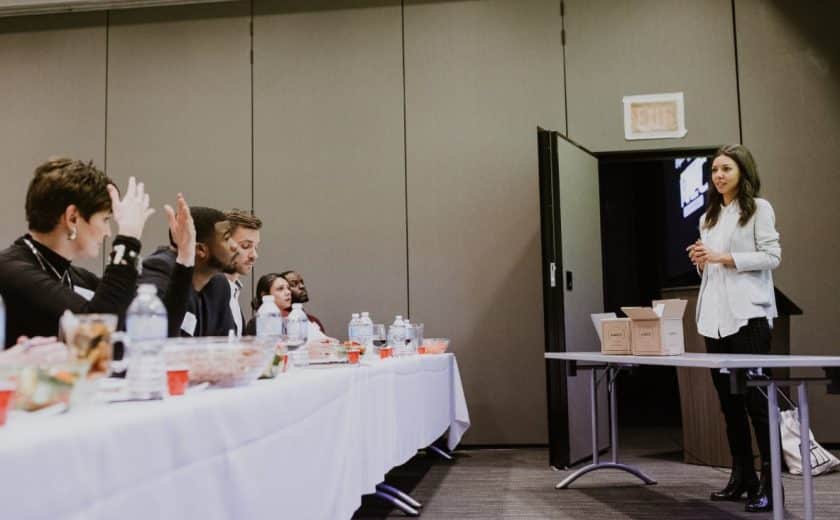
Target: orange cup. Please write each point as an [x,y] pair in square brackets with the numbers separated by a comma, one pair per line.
[421,349]
[353,355]
[177,379]
[385,352]
[6,395]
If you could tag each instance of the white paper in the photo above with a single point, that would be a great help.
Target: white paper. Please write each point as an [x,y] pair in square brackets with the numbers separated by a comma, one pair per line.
[87,294]
[189,323]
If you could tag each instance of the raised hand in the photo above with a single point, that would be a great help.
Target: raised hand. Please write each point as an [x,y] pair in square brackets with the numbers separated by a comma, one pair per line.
[183,230]
[133,210]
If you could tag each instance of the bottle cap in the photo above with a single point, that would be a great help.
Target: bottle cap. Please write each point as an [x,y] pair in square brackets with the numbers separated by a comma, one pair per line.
[146,288]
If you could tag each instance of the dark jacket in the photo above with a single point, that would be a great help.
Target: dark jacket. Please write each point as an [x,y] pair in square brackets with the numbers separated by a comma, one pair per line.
[190,312]
[174,286]
[36,297]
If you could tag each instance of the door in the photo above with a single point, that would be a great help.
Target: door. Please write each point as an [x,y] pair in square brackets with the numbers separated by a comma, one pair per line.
[572,290]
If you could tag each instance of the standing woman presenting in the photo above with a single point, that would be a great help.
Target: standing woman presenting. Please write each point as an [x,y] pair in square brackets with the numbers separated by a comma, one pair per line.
[736,253]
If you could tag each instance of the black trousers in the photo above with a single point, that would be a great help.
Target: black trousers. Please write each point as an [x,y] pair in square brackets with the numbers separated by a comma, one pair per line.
[752,338]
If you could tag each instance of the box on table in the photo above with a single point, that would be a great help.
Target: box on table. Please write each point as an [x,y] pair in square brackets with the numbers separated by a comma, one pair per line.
[613,332]
[657,330]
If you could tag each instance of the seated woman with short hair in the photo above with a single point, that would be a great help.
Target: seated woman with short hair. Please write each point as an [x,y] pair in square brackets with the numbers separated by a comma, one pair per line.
[69,205]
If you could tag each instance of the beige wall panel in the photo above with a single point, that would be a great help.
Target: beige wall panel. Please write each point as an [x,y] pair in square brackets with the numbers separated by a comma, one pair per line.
[52,102]
[179,106]
[480,77]
[614,49]
[328,158]
[790,94]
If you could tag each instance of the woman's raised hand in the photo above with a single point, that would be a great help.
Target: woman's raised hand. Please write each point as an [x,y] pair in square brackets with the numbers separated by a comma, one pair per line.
[133,210]
[183,230]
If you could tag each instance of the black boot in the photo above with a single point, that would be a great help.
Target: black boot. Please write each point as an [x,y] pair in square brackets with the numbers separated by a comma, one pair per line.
[741,480]
[762,500]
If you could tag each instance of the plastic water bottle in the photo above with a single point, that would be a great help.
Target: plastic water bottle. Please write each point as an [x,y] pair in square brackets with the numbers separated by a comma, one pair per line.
[269,319]
[366,332]
[2,323]
[270,329]
[410,337]
[297,330]
[396,335]
[146,326]
[353,327]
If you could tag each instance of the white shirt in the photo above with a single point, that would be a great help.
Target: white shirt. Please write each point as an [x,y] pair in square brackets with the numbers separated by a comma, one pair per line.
[235,309]
[715,318]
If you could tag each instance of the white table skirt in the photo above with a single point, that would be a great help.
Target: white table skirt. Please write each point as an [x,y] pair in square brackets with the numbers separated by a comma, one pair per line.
[307,445]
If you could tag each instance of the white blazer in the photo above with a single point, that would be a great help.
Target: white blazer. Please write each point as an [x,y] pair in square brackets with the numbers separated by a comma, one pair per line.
[756,251]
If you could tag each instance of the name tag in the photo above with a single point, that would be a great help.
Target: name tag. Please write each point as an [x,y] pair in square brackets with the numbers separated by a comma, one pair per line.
[189,323]
[87,294]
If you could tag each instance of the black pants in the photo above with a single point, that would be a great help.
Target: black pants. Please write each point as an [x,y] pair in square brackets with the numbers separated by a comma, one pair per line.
[752,338]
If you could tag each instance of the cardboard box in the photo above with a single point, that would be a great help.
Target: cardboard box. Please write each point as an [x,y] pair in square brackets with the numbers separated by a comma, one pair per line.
[613,332]
[657,330]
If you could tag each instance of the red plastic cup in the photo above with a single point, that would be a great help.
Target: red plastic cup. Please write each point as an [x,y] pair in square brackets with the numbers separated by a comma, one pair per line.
[385,352]
[177,379]
[6,395]
[353,355]
[421,349]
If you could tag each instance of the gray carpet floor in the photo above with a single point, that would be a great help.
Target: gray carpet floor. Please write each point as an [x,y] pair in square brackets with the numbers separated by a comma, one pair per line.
[519,484]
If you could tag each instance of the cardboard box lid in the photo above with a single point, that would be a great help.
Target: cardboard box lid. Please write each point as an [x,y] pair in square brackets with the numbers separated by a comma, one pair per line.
[672,309]
[640,313]
[597,318]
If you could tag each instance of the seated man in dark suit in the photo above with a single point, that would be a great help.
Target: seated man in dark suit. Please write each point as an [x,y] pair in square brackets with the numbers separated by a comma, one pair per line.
[196,313]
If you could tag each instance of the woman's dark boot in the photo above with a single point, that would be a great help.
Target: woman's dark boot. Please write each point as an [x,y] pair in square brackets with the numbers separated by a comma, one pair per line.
[742,480]
[762,500]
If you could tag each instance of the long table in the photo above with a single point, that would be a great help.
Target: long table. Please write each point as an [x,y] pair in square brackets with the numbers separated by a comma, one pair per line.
[307,444]
[737,365]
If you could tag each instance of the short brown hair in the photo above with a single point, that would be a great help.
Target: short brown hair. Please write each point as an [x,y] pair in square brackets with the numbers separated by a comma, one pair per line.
[60,182]
[240,218]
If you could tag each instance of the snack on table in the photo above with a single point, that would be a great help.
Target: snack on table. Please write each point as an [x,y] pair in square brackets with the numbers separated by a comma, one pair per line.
[435,345]
[219,360]
[354,345]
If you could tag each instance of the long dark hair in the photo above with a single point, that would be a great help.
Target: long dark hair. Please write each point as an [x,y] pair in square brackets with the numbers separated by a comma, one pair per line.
[748,185]
[263,288]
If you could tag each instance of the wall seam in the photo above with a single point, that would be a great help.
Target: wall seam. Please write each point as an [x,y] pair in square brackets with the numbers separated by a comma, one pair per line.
[405,167]
[737,75]
[251,60]
[105,143]
[565,88]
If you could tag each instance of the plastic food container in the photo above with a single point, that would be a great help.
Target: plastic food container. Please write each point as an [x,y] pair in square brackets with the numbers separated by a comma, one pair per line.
[219,360]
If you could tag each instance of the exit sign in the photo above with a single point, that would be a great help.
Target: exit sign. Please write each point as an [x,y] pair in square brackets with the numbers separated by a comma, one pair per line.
[654,116]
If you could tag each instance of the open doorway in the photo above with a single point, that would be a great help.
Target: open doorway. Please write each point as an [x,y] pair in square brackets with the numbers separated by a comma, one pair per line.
[651,203]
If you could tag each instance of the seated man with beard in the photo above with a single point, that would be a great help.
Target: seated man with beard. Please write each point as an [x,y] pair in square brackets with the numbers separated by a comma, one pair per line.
[201,313]
[300,294]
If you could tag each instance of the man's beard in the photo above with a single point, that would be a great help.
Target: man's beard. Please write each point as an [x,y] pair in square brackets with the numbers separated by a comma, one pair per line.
[217,264]
[303,298]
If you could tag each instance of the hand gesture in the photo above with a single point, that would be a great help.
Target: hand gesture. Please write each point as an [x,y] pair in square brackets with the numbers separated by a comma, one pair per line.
[131,212]
[183,230]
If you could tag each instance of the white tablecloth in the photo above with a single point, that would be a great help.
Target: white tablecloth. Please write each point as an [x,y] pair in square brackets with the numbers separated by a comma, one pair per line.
[306,445]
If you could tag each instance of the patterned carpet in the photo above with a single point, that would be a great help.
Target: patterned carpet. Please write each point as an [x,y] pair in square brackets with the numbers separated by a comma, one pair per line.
[519,484]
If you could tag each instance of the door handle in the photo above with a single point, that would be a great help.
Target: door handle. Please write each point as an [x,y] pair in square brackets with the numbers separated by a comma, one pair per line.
[552,274]
[568,280]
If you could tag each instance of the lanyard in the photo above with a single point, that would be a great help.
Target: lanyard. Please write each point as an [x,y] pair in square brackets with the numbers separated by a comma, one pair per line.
[62,278]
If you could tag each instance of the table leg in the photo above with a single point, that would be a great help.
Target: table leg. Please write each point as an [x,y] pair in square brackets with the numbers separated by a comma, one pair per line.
[596,464]
[402,495]
[805,451]
[775,452]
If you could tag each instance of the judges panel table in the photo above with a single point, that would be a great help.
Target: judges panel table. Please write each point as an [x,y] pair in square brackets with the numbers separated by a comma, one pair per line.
[307,444]
[737,365]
